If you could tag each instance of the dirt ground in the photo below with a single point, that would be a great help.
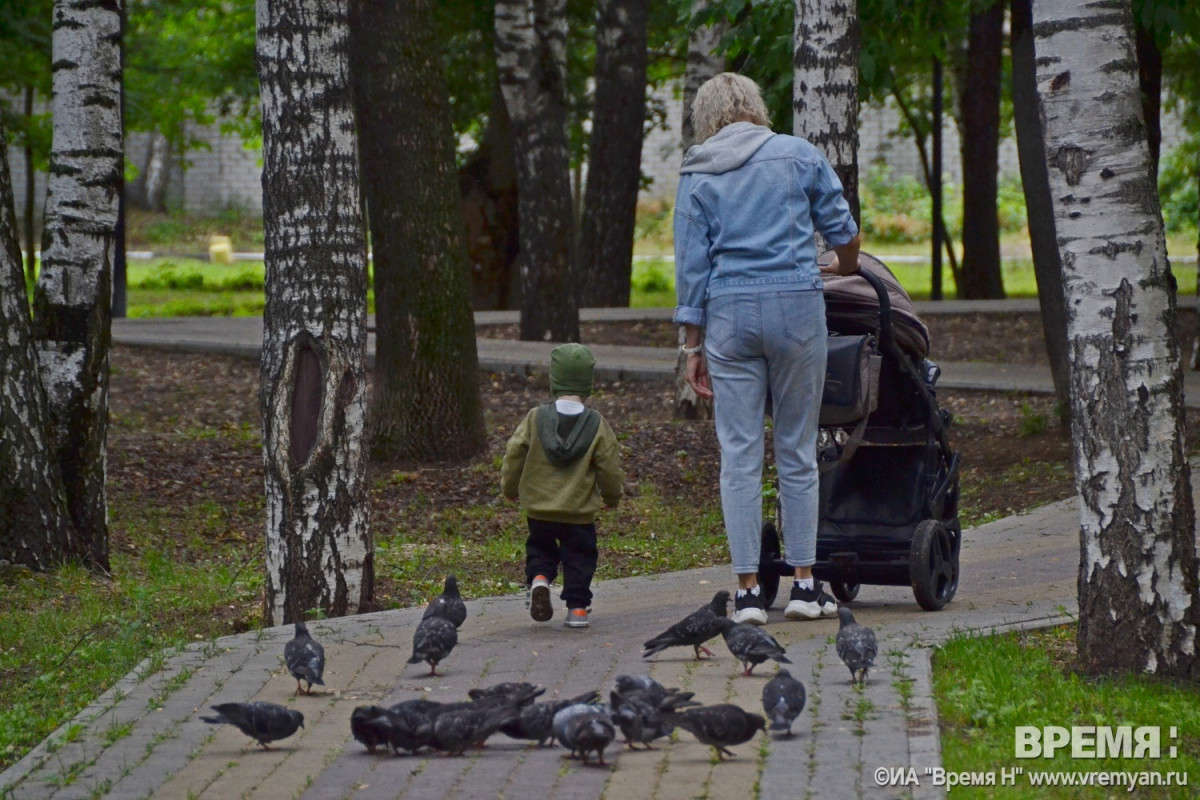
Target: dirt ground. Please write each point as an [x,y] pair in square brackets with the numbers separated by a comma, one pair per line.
[185,433]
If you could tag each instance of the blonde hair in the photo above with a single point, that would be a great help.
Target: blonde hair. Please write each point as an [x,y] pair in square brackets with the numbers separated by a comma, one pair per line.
[725,98]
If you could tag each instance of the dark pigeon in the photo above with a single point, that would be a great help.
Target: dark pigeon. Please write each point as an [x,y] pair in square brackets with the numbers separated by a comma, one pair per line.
[751,644]
[520,692]
[262,722]
[402,729]
[720,726]
[454,731]
[641,719]
[856,645]
[369,725]
[305,659]
[433,640]
[588,732]
[693,630]
[537,719]
[449,604]
[783,700]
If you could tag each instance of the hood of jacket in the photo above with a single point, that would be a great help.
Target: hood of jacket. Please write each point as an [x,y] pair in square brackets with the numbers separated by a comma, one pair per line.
[727,149]
[565,446]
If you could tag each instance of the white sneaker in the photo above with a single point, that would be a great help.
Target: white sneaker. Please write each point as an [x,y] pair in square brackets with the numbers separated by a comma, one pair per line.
[540,606]
[810,603]
[748,607]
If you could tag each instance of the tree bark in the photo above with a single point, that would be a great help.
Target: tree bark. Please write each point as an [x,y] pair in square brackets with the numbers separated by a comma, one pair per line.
[979,126]
[30,195]
[1139,603]
[531,65]
[35,527]
[702,64]
[425,399]
[825,86]
[1150,66]
[605,264]
[314,388]
[1039,206]
[71,310]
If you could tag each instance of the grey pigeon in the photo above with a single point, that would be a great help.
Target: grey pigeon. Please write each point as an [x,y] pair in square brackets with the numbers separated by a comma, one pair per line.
[262,722]
[855,644]
[433,640]
[587,732]
[642,719]
[449,604]
[558,726]
[525,692]
[536,720]
[720,726]
[783,700]
[455,731]
[305,659]
[751,644]
[695,629]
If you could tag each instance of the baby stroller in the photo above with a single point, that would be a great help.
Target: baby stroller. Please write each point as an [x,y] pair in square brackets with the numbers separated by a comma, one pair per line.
[889,479]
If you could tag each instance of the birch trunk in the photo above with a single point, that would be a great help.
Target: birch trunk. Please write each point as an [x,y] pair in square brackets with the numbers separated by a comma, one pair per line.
[531,66]
[425,398]
[825,86]
[314,389]
[72,304]
[1138,601]
[615,155]
[35,528]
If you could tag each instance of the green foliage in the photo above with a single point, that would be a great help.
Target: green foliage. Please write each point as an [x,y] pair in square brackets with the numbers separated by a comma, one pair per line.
[25,66]
[987,686]
[1179,187]
[1031,422]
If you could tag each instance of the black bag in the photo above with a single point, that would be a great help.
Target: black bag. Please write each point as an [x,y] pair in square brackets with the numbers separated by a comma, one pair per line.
[851,379]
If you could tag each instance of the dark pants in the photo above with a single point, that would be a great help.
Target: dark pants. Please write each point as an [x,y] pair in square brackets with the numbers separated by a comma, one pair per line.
[572,545]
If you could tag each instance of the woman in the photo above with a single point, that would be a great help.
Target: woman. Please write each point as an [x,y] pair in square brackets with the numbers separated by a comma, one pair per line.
[751,303]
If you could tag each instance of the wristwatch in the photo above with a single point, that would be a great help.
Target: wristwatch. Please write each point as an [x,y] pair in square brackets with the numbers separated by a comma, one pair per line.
[687,351]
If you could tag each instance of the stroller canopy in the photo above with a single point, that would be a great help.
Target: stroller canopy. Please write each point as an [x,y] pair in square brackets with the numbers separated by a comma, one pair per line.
[851,305]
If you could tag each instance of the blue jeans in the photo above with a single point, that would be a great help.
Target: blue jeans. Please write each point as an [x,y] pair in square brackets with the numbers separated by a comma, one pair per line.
[755,344]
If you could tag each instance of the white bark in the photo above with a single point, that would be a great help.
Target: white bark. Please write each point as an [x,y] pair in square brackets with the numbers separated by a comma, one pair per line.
[319,550]
[73,304]
[825,78]
[1137,583]
[703,62]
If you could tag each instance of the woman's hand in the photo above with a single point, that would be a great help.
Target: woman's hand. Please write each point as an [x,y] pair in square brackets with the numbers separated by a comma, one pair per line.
[697,375]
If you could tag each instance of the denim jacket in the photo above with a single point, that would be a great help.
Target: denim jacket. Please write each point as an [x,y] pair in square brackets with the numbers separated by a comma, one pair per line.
[747,204]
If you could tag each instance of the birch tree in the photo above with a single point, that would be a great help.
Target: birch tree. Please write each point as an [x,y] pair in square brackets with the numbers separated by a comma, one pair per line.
[314,388]
[615,156]
[72,302]
[35,528]
[825,86]
[1138,599]
[531,63]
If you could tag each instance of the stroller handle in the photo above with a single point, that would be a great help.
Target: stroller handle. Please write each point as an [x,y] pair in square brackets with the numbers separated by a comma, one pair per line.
[886,339]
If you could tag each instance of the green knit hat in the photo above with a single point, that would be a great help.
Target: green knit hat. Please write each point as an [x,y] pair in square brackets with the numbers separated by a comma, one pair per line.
[571,370]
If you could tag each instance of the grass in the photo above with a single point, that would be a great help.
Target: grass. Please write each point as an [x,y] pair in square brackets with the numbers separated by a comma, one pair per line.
[986,687]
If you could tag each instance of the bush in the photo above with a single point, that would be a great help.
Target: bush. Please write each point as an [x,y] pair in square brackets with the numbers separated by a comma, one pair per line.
[169,275]
[1178,191]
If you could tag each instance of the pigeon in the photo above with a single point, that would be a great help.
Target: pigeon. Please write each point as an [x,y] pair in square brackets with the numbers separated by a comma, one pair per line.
[305,659]
[537,718]
[527,691]
[449,604]
[783,700]
[369,725]
[262,722]
[750,644]
[433,640]
[719,726]
[558,726]
[695,629]
[855,645]
[454,731]
[589,731]
[641,719]
[402,729]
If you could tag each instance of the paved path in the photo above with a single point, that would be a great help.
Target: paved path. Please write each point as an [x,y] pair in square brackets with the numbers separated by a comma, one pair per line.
[143,738]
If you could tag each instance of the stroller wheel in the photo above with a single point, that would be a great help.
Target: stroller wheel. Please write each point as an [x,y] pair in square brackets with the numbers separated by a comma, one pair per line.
[844,592]
[933,564]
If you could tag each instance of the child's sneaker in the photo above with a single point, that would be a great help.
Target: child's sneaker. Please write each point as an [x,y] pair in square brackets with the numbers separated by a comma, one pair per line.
[540,606]
[748,607]
[576,618]
[810,603]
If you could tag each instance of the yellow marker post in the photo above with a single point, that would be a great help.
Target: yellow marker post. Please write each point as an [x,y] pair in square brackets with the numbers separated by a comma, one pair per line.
[220,250]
